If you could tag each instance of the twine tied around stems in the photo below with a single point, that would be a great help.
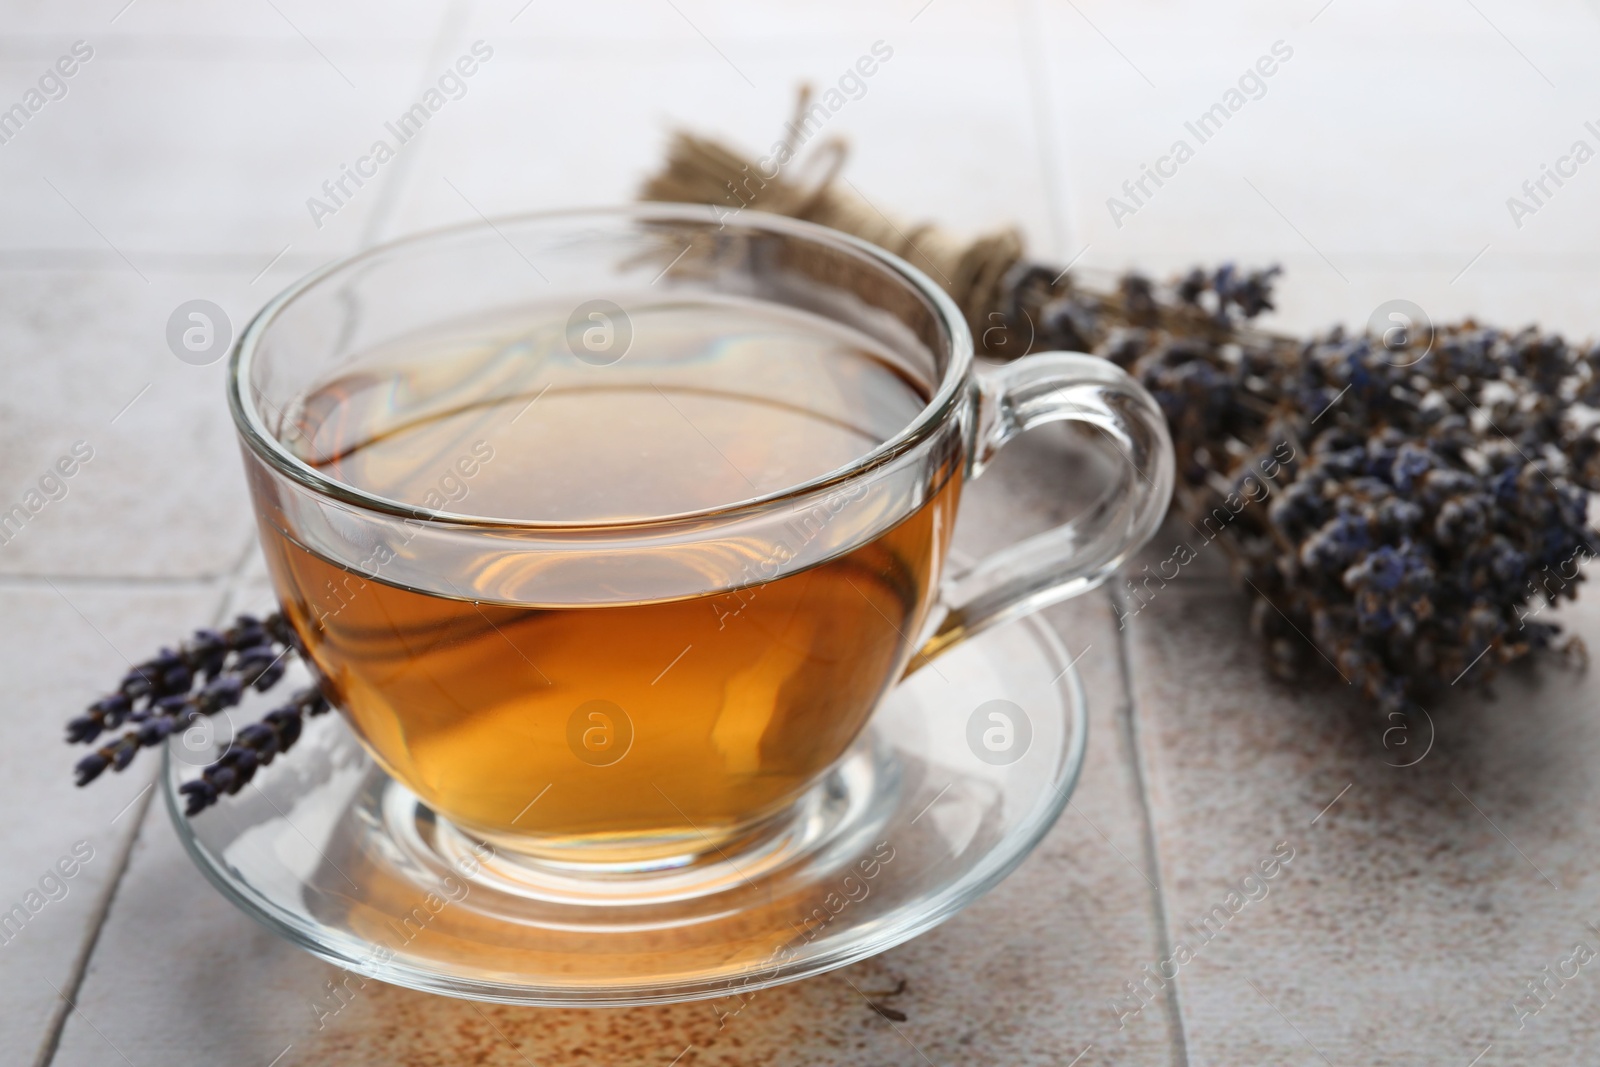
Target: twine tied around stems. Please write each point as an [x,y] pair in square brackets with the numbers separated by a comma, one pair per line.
[699,170]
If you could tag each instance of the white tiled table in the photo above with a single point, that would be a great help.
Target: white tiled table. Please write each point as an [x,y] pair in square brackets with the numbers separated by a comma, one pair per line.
[1375,165]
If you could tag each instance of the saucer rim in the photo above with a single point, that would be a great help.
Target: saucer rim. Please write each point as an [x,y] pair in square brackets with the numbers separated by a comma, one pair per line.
[898,927]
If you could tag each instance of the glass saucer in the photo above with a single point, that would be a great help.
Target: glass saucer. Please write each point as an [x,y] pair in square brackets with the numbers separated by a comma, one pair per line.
[961,770]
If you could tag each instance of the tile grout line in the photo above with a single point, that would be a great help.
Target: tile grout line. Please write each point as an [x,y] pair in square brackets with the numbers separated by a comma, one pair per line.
[1130,729]
[1036,70]
[168,261]
[156,261]
[14,582]
[234,580]
[389,196]
[230,584]
[57,1024]
[56,1029]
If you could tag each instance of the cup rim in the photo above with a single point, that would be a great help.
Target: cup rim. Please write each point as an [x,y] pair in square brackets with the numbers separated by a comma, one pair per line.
[265,445]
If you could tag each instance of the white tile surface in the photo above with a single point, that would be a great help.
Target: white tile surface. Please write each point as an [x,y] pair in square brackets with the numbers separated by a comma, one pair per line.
[515,143]
[1417,906]
[68,652]
[1381,154]
[1041,949]
[1376,165]
[163,495]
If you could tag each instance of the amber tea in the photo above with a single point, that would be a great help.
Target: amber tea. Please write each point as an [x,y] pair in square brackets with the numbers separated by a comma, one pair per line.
[632,731]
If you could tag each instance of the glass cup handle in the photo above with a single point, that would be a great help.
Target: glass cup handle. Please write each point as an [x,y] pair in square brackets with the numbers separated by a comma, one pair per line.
[1077,556]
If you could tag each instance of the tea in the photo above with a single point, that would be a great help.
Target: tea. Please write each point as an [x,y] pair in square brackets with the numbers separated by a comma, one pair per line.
[629,732]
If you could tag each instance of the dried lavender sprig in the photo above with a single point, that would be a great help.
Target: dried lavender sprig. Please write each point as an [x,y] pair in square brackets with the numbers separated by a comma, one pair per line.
[255,746]
[171,672]
[1410,566]
[156,694]
[1407,510]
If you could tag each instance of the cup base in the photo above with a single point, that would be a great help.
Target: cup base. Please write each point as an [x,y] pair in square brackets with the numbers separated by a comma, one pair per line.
[841,804]
[644,855]
[914,823]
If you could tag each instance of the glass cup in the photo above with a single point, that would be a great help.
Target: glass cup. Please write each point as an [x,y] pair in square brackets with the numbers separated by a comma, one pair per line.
[647,685]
